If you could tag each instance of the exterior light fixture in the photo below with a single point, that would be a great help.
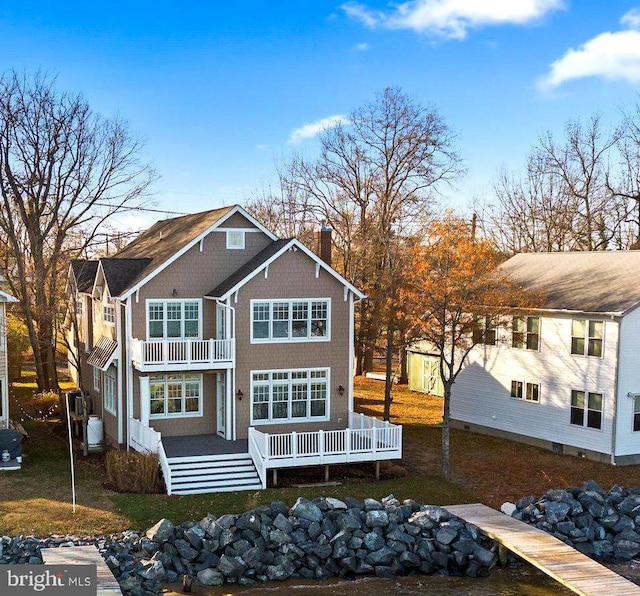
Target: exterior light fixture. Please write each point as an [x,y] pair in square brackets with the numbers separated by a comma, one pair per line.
[341,390]
[239,395]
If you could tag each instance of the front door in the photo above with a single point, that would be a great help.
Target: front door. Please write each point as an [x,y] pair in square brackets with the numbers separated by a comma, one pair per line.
[221,398]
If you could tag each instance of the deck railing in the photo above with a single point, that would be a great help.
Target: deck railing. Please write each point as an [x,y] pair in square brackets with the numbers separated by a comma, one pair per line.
[367,439]
[147,440]
[186,353]
[257,446]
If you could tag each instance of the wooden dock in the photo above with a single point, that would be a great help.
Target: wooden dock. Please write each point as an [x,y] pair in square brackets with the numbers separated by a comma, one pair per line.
[84,555]
[563,563]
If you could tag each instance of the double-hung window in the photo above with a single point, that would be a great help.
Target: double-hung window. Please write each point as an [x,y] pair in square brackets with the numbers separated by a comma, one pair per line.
[109,393]
[175,395]
[484,331]
[289,395]
[290,320]
[525,391]
[636,413]
[525,333]
[586,409]
[173,319]
[586,337]
[109,313]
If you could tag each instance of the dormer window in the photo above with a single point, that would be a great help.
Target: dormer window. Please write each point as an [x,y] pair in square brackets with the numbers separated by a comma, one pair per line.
[235,239]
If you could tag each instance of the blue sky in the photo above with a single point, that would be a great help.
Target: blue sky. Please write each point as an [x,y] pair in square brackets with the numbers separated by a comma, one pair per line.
[221,92]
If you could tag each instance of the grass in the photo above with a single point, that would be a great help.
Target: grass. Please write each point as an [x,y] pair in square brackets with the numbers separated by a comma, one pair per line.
[37,499]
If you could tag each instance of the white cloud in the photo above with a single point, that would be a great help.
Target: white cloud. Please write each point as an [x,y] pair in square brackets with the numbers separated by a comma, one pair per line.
[452,18]
[313,129]
[632,19]
[612,56]
[363,47]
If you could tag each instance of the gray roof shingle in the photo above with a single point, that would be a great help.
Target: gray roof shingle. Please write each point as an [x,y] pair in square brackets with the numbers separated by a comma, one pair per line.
[598,282]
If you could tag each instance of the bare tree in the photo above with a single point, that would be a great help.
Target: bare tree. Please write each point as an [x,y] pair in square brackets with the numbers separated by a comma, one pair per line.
[568,197]
[374,182]
[64,171]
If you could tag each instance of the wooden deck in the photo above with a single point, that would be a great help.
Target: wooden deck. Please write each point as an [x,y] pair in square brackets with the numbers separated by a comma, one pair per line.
[84,555]
[552,556]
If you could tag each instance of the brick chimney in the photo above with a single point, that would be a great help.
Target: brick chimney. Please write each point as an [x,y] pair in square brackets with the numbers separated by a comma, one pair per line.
[323,243]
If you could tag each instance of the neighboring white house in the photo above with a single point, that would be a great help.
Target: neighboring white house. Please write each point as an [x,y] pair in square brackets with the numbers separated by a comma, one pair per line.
[4,373]
[567,376]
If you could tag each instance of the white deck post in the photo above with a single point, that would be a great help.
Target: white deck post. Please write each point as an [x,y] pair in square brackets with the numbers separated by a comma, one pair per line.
[294,446]
[321,445]
[347,444]
[145,400]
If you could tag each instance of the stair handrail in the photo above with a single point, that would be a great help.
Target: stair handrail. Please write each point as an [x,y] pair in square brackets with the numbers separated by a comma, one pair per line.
[257,456]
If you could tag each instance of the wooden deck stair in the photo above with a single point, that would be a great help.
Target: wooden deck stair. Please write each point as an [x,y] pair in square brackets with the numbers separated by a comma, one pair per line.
[228,472]
[552,556]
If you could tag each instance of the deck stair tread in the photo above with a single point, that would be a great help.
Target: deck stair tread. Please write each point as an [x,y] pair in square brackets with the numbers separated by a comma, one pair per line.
[213,473]
[562,562]
[107,584]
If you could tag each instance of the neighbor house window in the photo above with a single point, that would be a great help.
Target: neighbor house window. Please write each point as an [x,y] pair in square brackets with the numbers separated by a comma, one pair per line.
[586,337]
[109,313]
[636,412]
[235,239]
[109,394]
[79,305]
[290,320]
[525,333]
[173,318]
[175,395]
[290,395]
[96,378]
[525,391]
[484,331]
[586,409]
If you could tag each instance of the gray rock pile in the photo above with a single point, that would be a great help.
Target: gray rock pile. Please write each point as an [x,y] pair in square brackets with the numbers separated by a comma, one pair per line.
[313,539]
[604,525]
[316,539]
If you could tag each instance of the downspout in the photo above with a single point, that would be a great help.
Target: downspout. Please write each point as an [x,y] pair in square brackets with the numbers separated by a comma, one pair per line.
[231,382]
[119,336]
[129,368]
[614,428]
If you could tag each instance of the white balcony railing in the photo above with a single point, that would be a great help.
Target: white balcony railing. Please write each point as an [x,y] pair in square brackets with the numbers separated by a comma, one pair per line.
[367,439]
[143,438]
[197,354]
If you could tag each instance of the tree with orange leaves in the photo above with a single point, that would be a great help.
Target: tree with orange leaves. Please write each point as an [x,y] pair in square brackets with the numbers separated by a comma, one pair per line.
[456,285]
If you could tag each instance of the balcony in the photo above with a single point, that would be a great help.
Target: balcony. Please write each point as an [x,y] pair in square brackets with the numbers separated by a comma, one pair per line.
[182,354]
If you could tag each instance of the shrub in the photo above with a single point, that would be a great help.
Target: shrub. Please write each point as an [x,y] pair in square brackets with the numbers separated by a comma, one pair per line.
[133,472]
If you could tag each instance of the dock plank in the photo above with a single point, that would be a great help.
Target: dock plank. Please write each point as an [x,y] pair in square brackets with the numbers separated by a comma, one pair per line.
[563,563]
[84,555]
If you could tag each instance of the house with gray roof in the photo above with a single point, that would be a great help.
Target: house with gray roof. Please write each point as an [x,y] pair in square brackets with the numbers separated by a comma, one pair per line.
[567,375]
[227,351]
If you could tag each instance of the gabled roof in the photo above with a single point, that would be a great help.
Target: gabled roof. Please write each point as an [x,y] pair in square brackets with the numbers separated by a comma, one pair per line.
[249,267]
[84,272]
[120,273]
[269,254]
[590,282]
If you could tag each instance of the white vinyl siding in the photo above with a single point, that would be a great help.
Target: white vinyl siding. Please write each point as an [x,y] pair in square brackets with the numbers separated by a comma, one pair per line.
[481,391]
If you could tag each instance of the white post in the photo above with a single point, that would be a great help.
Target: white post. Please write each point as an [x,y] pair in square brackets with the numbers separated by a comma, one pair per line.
[321,445]
[347,444]
[294,446]
[145,400]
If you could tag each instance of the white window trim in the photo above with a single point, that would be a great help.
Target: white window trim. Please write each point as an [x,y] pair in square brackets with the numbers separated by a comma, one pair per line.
[231,245]
[304,420]
[164,415]
[585,353]
[524,392]
[96,378]
[526,333]
[110,392]
[108,307]
[166,301]
[585,410]
[290,301]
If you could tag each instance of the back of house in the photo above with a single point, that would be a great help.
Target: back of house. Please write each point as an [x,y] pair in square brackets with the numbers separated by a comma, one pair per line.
[565,376]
